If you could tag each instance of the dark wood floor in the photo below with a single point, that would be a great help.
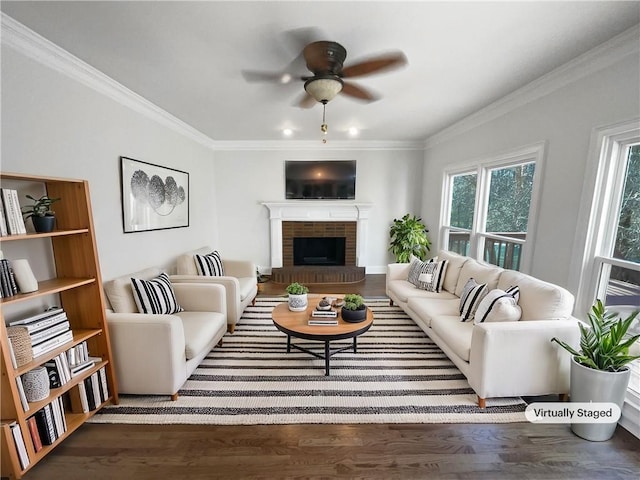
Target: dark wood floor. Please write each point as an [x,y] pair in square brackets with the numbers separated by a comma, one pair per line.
[513,451]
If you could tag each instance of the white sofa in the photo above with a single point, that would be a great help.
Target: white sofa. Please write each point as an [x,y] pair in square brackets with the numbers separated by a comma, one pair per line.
[155,354]
[239,280]
[499,359]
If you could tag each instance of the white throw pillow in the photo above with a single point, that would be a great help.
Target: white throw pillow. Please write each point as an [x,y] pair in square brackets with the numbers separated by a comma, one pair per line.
[498,306]
[472,294]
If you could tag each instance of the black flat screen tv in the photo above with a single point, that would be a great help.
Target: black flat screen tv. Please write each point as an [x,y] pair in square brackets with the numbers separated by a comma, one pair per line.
[320,179]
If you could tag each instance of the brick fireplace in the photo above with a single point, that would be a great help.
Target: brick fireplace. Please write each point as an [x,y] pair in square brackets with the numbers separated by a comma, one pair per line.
[324,225]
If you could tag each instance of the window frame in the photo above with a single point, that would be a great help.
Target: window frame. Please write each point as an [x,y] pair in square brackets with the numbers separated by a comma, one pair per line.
[535,154]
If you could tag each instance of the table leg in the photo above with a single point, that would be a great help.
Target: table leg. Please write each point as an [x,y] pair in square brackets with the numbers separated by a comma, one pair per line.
[327,356]
[288,343]
[355,345]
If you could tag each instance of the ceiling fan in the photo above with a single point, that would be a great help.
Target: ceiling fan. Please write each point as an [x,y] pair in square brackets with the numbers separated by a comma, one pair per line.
[325,60]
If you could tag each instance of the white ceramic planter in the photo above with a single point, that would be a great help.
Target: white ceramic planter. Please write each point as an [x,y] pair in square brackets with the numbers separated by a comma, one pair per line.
[298,303]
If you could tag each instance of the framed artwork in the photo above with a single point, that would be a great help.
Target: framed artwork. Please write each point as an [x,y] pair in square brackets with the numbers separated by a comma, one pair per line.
[153,197]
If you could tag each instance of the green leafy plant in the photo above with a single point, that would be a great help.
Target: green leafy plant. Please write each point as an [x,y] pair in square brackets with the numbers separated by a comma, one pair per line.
[296,288]
[353,302]
[409,237]
[603,345]
[41,207]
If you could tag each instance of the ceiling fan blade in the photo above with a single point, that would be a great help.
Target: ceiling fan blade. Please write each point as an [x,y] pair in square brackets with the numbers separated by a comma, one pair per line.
[358,92]
[306,101]
[375,65]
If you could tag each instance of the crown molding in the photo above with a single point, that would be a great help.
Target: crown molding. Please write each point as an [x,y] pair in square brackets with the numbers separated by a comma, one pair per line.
[622,45]
[24,40]
[296,145]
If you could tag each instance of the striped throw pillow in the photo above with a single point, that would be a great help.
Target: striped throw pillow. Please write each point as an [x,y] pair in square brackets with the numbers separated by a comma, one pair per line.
[432,275]
[472,295]
[155,296]
[210,265]
[498,306]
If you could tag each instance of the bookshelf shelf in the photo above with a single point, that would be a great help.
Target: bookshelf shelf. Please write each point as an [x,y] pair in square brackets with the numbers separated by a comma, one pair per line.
[78,285]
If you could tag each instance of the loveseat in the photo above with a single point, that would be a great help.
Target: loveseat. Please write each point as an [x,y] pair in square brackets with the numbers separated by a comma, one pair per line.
[154,354]
[239,280]
[499,358]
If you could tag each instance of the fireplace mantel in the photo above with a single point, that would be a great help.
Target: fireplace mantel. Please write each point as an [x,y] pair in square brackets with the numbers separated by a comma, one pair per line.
[311,210]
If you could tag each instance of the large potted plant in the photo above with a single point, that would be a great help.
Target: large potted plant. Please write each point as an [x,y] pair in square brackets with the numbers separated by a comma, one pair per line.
[297,297]
[42,217]
[599,371]
[354,310]
[409,237]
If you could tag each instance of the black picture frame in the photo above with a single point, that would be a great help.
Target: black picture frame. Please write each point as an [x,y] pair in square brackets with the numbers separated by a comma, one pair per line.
[153,197]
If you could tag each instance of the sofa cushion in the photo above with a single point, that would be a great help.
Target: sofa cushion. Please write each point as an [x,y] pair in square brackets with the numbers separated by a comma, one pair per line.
[185,263]
[155,296]
[454,265]
[200,328]
[454,333]
[247,287]
[427,308]
[404,290]
[120,294]
[498,306]
[538,299]
[209,265]
[482,273]
[472,295]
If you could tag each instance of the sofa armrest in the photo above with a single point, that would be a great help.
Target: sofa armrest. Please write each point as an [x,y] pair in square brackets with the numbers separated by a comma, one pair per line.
[518,358]
[239,268]
[201,297]
[398,271]
[230,284]
[148,352]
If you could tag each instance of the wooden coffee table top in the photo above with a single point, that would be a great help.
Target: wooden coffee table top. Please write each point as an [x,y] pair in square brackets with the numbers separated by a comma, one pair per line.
[296,323]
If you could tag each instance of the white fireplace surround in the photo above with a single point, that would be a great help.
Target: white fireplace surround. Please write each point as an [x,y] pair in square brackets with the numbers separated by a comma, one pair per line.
[317,211]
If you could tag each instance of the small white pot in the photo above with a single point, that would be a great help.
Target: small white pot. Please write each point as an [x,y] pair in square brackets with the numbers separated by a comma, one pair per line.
[298,303]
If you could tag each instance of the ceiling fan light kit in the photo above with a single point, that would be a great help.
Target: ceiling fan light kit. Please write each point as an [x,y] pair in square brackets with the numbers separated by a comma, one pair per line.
[324,89]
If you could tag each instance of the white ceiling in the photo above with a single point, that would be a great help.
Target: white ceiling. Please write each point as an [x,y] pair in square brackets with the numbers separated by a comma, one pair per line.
[187,57]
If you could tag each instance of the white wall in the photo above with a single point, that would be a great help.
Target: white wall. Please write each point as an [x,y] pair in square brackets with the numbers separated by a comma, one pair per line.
[564,119]
[54,126]
[388,179]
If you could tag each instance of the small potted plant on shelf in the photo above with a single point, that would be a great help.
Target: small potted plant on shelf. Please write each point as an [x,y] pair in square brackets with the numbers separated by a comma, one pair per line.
[42,217]
[599,371]
[297,297]
[354,310]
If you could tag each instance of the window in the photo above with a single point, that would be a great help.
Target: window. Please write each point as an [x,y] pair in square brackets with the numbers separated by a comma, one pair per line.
[610,267]
[489,206]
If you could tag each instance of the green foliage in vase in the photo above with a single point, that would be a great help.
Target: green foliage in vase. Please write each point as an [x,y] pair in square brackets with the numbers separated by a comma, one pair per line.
[296,288]
[353,301]
[409,237]
[603,345]
[41,207]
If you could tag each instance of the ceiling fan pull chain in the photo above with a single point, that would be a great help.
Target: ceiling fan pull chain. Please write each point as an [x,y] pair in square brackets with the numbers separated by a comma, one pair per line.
[324,128]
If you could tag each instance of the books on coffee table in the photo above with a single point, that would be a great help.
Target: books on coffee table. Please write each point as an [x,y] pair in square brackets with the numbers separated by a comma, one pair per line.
[323,321]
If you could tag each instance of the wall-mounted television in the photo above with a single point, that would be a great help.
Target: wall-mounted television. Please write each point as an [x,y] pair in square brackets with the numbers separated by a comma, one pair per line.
[320,179]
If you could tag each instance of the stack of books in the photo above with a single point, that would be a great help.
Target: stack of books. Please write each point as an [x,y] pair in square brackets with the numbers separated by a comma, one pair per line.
[11,221]
[323,317]
[8,285]
[47,331]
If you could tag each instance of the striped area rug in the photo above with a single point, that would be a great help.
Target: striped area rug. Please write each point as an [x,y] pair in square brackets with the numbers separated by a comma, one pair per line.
[398,375]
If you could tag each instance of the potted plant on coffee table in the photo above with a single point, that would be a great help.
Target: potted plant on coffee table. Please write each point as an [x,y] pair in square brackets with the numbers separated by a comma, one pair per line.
[42,217]
[354,310]
[599,371]
[297,297]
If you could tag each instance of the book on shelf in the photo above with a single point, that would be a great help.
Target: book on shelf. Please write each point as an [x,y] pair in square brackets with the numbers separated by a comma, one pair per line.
[44,420]
[102,373]
[88,387]
[52,343]
[21,448]
[78,399]
[7,279]
[35,435]
[38,316]
[12,212]
[57,414]
[81,367]
[49,332]
[3,220]
[95,386]
[21,394]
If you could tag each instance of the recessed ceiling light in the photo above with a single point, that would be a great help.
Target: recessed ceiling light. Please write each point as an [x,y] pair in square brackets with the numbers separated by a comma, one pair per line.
[285,78]
[287,132]
[353,131]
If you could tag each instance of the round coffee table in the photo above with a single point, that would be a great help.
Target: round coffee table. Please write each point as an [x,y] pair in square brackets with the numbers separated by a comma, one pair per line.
[295,324]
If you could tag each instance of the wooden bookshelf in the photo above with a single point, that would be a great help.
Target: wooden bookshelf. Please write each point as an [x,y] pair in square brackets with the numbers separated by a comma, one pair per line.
[78,284]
